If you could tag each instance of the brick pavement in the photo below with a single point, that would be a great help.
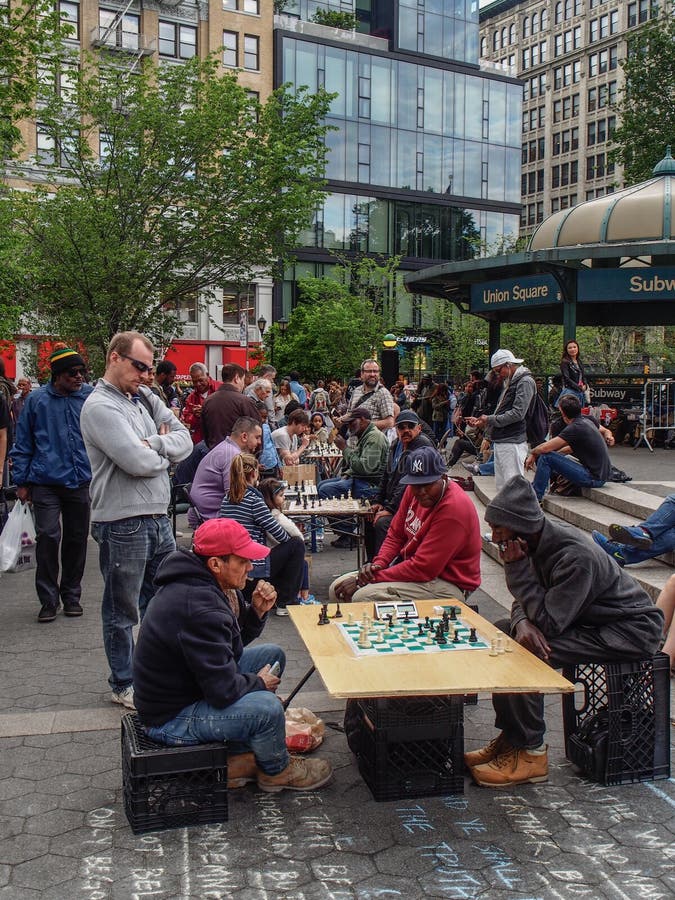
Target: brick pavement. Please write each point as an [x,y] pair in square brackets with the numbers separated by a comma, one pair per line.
[63,833]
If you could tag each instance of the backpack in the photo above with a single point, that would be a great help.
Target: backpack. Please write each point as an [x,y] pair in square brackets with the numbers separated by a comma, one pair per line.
[536,421]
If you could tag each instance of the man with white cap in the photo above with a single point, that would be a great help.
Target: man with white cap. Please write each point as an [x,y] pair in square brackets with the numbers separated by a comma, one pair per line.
[195,680]
[506,426]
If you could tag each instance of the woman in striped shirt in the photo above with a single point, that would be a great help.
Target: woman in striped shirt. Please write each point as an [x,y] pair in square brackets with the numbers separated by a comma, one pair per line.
[244,504]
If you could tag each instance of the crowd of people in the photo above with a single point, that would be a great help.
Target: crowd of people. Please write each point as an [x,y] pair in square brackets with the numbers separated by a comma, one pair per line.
[108,458]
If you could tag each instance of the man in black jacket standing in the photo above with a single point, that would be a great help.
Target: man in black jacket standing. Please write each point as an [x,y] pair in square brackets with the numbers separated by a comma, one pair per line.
[387,500]
[195,681]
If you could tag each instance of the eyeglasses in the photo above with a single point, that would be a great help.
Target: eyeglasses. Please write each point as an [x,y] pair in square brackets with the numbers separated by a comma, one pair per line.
[73,373]
[405,426]
[137,364]
[371,371]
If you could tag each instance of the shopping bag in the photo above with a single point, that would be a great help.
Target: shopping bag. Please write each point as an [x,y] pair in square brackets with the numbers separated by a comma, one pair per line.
[18,534]
[304,730]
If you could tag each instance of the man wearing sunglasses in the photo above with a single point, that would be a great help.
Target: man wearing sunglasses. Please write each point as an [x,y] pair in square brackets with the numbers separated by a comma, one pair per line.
[131,447]
[51,469]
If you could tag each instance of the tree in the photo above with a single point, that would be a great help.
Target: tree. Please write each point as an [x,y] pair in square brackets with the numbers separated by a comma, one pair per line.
[647,103]
[164,183]
[330,332]
[29,29]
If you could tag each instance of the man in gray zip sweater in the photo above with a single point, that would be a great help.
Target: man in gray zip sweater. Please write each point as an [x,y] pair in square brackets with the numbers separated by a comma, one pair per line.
[506,427]
[572,603]
[131,445]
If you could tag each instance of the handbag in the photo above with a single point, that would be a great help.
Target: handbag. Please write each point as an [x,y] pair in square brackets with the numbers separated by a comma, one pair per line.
[17,535]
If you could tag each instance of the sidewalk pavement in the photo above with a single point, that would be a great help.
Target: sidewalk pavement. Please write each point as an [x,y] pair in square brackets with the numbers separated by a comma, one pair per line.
[63,833]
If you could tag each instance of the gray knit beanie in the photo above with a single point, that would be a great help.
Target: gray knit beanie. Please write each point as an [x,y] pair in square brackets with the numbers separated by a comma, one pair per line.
[516,507]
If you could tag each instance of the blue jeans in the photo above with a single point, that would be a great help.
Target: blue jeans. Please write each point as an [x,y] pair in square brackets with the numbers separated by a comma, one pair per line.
[661,528]
[487,468]
[256,721]
[338,487]
[130,551]
[562,465]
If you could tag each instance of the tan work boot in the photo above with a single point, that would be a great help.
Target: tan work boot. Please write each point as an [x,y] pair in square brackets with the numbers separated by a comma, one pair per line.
[486,754]
[241,769]
[516,766]
[299,775]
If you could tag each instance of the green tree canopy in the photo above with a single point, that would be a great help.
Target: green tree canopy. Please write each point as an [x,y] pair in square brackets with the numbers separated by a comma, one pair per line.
[647,103]
[29,29]
[163,183]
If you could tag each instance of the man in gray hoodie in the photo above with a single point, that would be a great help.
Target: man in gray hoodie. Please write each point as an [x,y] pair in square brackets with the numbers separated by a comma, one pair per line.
[131,438]
[572,603]
[506,427]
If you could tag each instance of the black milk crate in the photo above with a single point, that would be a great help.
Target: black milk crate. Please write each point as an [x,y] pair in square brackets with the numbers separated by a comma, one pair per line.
[412,747]
[171,787]
[621,731]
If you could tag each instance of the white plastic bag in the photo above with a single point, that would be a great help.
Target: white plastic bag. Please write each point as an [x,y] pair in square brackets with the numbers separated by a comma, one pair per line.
[18,533]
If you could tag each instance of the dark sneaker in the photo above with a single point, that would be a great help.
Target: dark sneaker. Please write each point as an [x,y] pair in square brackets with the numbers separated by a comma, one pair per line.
[299,775]
[515,767]
[72,609]
[634,537]
[486,754]
[47,613]
[241,769]
[610,547]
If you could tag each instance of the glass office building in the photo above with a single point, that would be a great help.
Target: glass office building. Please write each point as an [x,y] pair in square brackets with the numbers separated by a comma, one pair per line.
[425,154]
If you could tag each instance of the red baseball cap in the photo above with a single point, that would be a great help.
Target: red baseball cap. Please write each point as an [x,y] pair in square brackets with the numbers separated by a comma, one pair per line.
[220,537]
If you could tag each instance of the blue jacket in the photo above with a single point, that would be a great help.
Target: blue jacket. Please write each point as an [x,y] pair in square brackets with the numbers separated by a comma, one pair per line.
[48,447]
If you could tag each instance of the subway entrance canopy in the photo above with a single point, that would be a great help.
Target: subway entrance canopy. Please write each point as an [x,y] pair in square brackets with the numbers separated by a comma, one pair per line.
[608,261]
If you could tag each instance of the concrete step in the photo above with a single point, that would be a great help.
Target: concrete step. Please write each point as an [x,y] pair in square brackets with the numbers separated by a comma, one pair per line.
[587,516]
[625,498]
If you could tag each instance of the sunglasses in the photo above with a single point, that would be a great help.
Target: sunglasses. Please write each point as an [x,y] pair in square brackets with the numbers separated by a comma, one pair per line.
[405,426]
[73,373]
[137,364]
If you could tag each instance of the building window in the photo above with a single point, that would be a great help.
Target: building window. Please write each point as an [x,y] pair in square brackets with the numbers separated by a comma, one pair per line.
[252,7]
[70,14]
[251,52]
[641,12]
[364,100]
[512,33]
[46,146]
[119,31]
[230,41]
[177,41]
[230,4]
[526,26]
[237,300]
[483,47]
[558,12]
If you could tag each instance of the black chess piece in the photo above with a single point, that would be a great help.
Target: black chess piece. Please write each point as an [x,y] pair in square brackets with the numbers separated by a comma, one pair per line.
[472,636]
[321,619]
[446,622]
[455,640]
[426,621]
[406,618]
[453,613]
[338,612]
[420,629]
[390,619]
[304,501]
[439,637]
[312,501]
[324,614]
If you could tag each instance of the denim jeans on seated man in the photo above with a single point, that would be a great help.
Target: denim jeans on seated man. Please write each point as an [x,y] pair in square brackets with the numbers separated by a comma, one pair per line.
[560,464]
[130,551]
[332,488]
[254,722]
[659,526]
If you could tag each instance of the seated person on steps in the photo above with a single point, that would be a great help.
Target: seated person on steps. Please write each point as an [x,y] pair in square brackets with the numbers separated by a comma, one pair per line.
[635,543]
[433,545]
[571,604]
[582,437]
[195,680]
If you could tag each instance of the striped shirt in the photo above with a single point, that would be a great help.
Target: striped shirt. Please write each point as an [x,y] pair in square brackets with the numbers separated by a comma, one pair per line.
[258,520]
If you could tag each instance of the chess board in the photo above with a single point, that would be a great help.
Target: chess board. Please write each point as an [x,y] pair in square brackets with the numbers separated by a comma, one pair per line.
[327,507]
[396,642]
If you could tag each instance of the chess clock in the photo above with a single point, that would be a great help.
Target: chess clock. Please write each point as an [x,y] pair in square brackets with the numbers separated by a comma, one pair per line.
[397,610]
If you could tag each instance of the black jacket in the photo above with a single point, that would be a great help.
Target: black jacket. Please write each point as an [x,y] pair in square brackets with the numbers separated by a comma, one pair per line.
[391,490]
[190,643]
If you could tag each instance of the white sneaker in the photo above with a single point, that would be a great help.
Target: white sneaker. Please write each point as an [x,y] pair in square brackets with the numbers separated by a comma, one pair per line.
[281,611]
[124,698]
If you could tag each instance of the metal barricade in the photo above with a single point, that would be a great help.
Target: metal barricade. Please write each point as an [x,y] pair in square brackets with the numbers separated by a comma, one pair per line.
[658,409]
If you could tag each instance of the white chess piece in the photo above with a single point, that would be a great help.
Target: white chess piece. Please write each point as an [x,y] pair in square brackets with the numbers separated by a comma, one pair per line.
[493,648]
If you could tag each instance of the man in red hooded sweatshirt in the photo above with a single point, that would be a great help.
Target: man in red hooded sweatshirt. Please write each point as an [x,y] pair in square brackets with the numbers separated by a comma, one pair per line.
[432,549]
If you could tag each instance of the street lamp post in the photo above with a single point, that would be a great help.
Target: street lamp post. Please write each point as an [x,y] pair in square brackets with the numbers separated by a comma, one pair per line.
[389,360]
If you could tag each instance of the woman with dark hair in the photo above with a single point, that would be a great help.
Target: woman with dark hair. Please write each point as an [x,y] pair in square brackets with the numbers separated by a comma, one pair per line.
[244,503]
[572,371]
[283,398]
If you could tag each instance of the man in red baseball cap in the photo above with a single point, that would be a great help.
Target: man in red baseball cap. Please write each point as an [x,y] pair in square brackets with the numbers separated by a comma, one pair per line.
[196,681]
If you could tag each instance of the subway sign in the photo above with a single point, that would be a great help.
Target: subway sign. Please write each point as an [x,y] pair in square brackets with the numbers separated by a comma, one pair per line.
[515,293]
[622,285]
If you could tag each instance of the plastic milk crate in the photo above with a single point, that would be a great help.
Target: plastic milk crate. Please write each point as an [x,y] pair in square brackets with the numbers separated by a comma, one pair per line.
[171,787]
[412,747]
[619,731]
